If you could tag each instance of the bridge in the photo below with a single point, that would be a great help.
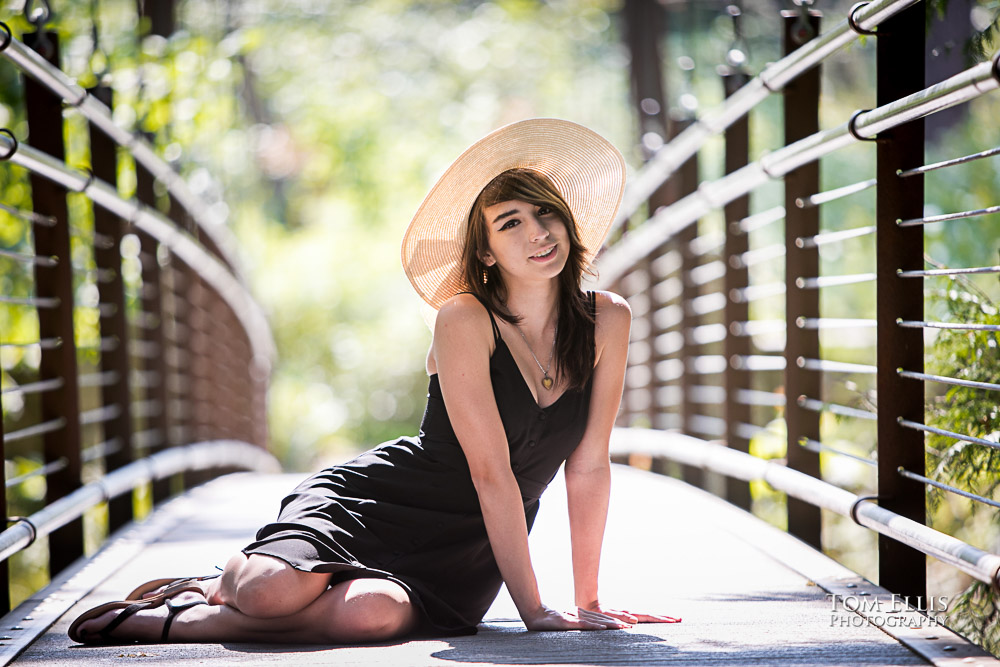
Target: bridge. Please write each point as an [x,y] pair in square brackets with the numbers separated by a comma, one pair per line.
[136,366]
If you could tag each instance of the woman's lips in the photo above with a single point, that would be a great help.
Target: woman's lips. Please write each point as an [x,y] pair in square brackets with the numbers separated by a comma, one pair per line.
[545,255]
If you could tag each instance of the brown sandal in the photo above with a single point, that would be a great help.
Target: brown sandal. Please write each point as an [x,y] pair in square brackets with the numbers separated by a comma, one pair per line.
[129,608]
[173,586]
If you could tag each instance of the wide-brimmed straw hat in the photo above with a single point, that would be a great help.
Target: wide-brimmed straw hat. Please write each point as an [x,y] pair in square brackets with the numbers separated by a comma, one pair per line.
[587,170]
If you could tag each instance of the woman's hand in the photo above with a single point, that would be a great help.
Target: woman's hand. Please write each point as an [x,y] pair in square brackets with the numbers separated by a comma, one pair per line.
[545,618]
[596,612]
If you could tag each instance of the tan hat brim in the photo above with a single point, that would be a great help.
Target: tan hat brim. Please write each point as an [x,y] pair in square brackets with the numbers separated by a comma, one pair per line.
[586,169]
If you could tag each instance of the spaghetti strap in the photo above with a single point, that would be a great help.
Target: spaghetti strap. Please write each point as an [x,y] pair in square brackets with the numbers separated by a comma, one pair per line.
[592,300]
[493,321]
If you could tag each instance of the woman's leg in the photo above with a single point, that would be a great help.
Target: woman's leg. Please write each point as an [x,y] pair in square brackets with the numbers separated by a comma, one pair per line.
[264,586]
[355,611]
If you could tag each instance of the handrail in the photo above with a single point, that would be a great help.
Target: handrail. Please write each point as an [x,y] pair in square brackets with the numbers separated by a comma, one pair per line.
[864,125]
[774,77]
[164,464]
[215,273]
[95,111]
[698,453]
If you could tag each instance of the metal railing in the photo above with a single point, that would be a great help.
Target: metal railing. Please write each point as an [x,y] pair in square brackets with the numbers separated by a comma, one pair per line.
[709,359]
[135,337]
[210,230]
[864,17]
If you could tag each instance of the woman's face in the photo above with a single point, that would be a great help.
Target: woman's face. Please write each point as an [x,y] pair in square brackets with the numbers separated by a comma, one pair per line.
[526,241]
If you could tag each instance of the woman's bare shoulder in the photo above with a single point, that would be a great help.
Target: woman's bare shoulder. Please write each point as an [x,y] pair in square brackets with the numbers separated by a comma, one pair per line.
[462,324]
[463,311]
[613,314]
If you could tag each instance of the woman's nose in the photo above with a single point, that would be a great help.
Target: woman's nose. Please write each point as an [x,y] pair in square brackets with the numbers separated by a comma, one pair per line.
[538,230]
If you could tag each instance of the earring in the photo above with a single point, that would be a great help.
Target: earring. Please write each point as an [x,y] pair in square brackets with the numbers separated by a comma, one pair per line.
[486,278]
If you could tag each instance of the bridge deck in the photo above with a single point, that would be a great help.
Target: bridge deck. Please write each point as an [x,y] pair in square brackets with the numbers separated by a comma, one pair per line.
[670,549]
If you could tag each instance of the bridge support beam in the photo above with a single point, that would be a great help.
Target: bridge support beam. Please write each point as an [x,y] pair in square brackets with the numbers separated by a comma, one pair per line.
[114,325]
[737,310]
[900,52]
[801,111]
[156,423]
[45,127]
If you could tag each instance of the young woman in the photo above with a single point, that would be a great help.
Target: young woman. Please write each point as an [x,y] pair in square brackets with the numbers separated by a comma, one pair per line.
[526,372]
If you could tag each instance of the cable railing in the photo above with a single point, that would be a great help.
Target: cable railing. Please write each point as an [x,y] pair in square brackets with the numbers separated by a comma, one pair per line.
[211,230]
[154,223]
[143,360]
[863,19]
[864,125]
[746,346]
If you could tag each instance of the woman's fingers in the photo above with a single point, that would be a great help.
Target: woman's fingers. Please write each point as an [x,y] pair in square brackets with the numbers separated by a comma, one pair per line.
[626,616]
[657,618]
[614,614]
[609,620]
[585,620]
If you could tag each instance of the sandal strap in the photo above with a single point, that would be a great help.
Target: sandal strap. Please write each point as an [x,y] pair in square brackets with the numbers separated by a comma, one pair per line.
[124,614]
[172,611]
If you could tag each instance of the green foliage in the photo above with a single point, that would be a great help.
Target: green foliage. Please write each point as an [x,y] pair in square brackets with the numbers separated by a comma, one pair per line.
[976,615]
[986,27]
[972,355]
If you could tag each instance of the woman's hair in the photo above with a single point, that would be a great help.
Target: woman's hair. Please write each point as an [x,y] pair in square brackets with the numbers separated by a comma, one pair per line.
[574,347]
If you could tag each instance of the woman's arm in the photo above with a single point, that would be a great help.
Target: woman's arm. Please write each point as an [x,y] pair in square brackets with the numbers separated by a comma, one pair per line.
[463,340]
[588,469]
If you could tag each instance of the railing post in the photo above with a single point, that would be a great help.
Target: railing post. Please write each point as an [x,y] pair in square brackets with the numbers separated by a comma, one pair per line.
[644,20]
[114,323]
[45,127]
[259,370]
[684,182]
[737,310]
[151,320]
[4,513]
[801,112]
[900,53]
[181,354]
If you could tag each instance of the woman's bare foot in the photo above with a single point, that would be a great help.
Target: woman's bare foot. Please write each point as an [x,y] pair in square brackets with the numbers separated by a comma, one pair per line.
[146,625]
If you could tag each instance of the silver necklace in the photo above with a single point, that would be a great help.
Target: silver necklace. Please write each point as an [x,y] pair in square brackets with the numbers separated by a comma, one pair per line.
[547,381]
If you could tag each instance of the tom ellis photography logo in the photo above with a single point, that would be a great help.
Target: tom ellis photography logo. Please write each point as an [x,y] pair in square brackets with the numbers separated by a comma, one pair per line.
[895,611]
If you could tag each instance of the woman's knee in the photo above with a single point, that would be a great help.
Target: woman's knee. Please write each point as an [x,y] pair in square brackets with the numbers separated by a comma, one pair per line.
[370,610]
[267,587]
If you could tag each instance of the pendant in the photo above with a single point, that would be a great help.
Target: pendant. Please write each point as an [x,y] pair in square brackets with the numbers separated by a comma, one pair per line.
[547,382]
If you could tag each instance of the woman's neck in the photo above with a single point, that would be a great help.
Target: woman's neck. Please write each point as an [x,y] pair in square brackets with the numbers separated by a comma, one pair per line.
[537,305]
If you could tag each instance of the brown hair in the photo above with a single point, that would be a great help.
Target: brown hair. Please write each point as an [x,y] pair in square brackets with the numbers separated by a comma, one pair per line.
[575,339]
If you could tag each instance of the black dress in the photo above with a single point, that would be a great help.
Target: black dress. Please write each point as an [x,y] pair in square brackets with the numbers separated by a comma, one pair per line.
[407,510]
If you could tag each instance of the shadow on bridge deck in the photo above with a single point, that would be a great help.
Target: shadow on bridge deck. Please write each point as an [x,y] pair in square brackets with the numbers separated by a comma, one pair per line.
[669,549]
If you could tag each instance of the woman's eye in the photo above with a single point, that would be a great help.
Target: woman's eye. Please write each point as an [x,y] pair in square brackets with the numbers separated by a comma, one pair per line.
[508,224]
[544,210]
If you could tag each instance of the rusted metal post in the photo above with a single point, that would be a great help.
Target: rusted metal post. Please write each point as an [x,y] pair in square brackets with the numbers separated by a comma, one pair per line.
[4,513]
[683,183]
[900,53]
[198,361]
[644,28]
[260,371]
[242,381]
[801,111]
[45,127]
[180,352]
[161,15]
[151,321]
[114,324]
[221,379]
[737,277]
[644,22]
